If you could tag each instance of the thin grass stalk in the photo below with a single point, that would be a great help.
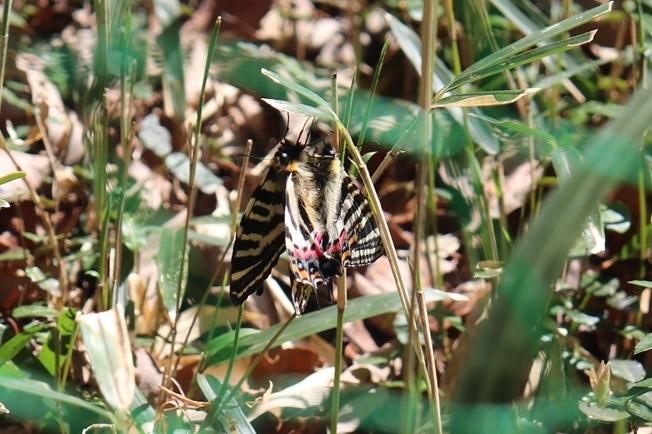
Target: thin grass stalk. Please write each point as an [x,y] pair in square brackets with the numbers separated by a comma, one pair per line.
[126,140]
[195,149]
[229,367]
[218,269]
[102,206]
[642,75]
[388,243]
[341,292]
[372,92]
[394,152]
[217,403]
[5,43]
[409,374]
[428,32]
[339,344]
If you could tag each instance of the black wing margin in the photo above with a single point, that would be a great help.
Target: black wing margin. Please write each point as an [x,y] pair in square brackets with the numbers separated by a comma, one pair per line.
[260,239]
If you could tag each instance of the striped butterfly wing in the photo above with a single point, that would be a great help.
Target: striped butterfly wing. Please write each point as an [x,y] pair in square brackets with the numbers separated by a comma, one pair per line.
[363,236]
[305,273]
[259,241]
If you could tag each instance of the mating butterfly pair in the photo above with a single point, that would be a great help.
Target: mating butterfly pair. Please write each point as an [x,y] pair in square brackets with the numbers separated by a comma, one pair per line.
[308,205]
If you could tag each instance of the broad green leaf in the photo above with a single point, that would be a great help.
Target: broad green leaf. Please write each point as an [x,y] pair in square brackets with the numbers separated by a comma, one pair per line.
[168,262]
[38,389]
[14,345]
[310,324]
[644,344]
[106,339]
[298,108]
[11,176]
[639,388]
[231,415]
[410,43]
[65,328]
[482,99]
[605,414]
[513,60]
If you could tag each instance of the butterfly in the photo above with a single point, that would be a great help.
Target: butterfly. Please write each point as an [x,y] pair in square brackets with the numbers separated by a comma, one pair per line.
[308,206]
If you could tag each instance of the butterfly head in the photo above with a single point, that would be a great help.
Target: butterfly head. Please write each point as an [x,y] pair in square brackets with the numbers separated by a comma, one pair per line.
[288,153]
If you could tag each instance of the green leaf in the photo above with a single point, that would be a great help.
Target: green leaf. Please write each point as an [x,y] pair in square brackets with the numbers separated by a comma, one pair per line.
[605,414]
[532,39]
[298,108]
[483,99]
[34,310]
[644,344]
[11,176]
[512,60]
[168,262]
[639,388]
[38,389]
[301,90]
[231,415]
[14,345]
[612,156]
[65,328]
[310,324]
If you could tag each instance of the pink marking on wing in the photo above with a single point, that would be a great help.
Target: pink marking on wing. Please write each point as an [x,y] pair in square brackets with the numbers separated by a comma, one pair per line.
[315,251]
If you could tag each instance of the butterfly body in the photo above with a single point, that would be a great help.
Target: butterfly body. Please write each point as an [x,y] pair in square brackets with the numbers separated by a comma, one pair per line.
[307,197]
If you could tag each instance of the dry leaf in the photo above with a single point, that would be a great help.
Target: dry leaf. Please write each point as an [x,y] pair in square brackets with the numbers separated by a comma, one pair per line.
[106,339]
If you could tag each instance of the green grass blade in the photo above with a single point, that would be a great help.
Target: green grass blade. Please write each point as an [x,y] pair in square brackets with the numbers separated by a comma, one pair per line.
[301,90]
[11,177]
[535,38]
[252,342]
[299,109]
[14,345]
[39,389]
[514,323]
[231,415]
[482,99]
[513,60]
[168,262]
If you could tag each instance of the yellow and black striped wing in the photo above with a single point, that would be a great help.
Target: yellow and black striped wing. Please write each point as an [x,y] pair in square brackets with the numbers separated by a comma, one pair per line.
[364,242]
[260,239]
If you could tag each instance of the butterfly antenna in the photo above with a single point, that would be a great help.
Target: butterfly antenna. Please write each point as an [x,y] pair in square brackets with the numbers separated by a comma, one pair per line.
[287,125]
[303,128]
